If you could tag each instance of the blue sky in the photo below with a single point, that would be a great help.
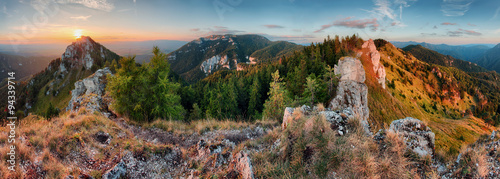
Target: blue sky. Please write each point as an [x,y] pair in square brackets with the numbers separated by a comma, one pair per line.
[300,21]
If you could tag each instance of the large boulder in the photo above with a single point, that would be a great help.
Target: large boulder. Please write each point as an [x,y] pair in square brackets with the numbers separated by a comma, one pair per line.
[338,120]
[374,56]
[89,92]
[352,92]
[418,137]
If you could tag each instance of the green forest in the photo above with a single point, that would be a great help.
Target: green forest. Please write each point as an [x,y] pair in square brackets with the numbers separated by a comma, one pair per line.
[150,91]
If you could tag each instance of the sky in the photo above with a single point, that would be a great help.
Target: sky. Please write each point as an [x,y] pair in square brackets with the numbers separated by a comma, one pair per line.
[300,21]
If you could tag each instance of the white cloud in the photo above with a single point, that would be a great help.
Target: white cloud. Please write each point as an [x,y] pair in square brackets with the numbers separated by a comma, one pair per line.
[455,7]
[81,17]
[390,11]
[102,5]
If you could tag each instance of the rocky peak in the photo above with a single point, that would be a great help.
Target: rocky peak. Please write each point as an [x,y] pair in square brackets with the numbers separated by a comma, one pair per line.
[352,92]
[371,51]
[83,51]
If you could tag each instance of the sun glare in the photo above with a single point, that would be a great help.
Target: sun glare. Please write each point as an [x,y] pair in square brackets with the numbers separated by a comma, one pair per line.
[78,33]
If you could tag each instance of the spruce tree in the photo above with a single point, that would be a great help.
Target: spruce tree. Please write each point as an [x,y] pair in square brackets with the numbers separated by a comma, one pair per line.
[278,99]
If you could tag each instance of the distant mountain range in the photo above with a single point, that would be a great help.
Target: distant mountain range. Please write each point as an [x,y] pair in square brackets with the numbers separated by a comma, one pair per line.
[431,56]
[485,55]
[22,66]
[201,57]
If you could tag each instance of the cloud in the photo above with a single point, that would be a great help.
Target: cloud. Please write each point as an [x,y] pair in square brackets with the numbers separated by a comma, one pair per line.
[102,5]
[194,30]
[81,17]
[391,10]
[357,24]
[448,23]
[455,7]
[273,26]
[496,14]
[473,25]
[428,34]
[435,27]
[461,32]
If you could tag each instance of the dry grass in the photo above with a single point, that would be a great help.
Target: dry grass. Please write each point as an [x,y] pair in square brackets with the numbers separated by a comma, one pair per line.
[310,149]
[202,126]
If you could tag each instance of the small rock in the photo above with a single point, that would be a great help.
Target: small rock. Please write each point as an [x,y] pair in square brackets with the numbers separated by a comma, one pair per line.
[118,171]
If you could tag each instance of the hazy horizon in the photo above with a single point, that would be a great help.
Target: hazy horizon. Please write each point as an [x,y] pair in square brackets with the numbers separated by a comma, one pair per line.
[56,21]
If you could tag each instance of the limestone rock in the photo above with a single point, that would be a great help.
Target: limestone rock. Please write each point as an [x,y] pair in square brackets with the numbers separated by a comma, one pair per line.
[118,171]
[352,92]
[350,69]
[89,92]
[419,138]
[374,55]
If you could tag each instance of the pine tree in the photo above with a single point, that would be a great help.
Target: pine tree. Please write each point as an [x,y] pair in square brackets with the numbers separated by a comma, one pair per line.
[254,103]
[311,90]
[278,99]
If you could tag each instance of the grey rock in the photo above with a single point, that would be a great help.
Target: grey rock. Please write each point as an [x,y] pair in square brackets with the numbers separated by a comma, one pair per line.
[118,171]
[89,92]
[419,138]
[493,135]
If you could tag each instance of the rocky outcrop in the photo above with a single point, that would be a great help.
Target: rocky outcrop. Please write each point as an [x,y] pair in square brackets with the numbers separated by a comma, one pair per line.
[89,92]
[338,120]
[352,92]
[374,56]
[419,138]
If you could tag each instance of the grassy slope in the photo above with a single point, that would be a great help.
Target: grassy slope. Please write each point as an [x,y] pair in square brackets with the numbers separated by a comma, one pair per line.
[414,99]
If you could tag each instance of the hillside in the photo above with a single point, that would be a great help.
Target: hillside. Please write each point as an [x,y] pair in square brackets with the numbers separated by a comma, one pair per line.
[491,59]
[430,56]
[206,55]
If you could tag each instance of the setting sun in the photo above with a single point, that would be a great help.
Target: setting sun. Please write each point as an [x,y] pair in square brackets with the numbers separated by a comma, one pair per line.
[78,33]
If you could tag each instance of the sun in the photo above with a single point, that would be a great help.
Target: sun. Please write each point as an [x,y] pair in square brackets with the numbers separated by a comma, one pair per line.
[77,33]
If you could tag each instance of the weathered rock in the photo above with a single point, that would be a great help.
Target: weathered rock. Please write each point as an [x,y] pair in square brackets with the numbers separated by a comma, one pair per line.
[118,171]
[350,69]
[493,135]
[243,165]
[338,120]
[352,92]
[374,55]
[419,138]
[89,92]
[287,117]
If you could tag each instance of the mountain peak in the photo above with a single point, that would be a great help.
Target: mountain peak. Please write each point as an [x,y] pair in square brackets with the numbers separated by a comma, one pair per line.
[86,52]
